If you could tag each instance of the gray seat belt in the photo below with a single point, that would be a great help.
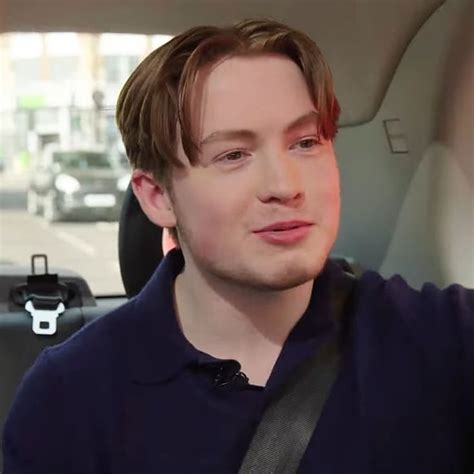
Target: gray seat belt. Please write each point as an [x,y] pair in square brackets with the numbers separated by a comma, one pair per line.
[288,422]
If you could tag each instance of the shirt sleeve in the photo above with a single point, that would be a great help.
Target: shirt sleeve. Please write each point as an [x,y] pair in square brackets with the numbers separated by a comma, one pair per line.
[452,312]
[463,301]
[428,333]
[35,438]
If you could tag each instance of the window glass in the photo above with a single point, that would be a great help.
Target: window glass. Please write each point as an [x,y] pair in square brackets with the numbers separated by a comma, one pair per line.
[63,170]
[83,160]
[28,71]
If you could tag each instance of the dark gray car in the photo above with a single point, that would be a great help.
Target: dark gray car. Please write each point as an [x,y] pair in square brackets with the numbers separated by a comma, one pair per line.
[80,183]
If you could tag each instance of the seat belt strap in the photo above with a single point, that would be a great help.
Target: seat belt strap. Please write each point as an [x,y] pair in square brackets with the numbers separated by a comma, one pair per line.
[290,419]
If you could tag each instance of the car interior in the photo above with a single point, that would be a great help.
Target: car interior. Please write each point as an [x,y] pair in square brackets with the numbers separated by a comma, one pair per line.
[404,75]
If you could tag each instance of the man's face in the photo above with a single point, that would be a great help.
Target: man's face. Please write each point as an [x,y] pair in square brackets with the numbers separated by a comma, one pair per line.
[261,163]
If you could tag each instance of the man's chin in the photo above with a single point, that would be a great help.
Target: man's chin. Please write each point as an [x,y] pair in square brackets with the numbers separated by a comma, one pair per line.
[285,277]
[285,284]
[291,280]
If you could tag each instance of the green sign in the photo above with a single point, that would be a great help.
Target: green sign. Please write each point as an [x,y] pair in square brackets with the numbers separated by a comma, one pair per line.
[31,101]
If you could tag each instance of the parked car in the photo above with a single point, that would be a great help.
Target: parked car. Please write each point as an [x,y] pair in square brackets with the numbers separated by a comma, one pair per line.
[75,183]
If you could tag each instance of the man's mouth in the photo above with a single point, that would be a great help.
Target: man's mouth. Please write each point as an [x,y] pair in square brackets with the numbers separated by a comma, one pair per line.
[284,226]
[284,233]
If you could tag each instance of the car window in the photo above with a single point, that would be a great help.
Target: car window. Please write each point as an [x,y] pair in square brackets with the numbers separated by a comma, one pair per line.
[64,171]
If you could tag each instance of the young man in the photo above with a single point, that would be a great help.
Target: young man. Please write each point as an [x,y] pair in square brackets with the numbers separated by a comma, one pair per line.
[230,132]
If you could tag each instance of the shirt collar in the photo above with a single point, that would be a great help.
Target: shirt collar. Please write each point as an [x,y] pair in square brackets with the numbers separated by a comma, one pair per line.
[158,348]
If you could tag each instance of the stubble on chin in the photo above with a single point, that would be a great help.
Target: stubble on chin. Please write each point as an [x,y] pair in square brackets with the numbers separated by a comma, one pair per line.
[268,278]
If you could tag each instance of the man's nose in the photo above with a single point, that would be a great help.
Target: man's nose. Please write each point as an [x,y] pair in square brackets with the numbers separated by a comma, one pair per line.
[280,178]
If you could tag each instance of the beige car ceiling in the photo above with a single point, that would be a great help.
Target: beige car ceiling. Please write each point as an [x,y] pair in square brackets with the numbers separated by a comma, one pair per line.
[363,39]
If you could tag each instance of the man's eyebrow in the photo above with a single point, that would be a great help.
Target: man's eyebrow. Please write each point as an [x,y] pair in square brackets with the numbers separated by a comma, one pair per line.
[311,117]
[242,134]
[221,135]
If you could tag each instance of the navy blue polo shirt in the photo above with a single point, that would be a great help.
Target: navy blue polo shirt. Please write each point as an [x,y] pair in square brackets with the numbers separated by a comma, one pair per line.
[129,394]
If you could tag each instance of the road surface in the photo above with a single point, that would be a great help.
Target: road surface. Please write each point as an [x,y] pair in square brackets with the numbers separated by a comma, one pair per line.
[88,248]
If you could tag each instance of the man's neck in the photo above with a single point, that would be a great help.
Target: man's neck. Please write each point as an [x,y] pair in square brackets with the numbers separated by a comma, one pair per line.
[231,322]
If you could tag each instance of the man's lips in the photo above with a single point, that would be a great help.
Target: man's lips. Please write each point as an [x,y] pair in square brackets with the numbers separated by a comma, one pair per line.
[281,226]
[285,233]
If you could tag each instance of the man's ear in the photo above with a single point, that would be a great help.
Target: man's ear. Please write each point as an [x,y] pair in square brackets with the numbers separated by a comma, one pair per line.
[153,198]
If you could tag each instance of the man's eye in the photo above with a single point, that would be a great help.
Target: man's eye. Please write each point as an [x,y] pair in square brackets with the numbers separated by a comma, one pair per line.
[308,143]
[233,156]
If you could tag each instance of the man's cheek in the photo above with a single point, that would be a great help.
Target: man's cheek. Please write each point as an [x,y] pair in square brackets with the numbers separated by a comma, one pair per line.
[206,230]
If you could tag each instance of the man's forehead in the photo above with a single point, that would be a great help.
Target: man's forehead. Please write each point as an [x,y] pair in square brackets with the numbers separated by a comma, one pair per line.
[239,90]
[309,118]
[229,69]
